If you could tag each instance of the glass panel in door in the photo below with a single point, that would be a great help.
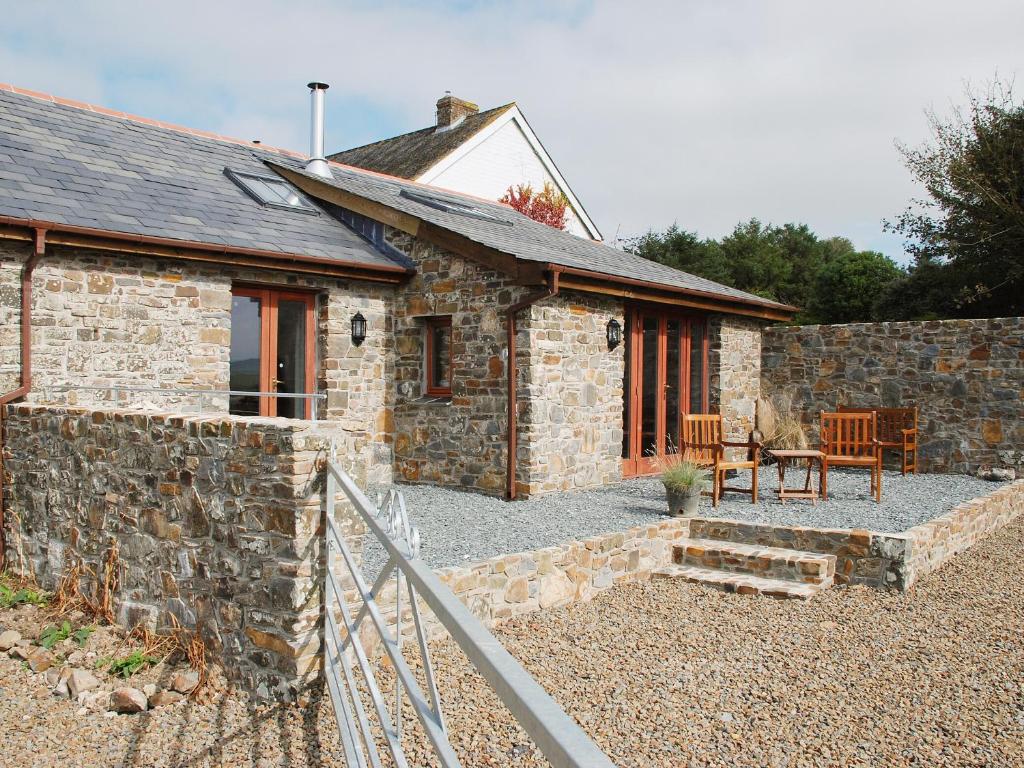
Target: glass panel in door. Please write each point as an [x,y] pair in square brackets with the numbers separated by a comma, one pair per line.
[696,367]
[674,332]
[649,394]
[246,312]
[290,371]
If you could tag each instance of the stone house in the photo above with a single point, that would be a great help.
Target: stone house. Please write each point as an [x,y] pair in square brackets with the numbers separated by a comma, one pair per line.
[477,153]
[449,339]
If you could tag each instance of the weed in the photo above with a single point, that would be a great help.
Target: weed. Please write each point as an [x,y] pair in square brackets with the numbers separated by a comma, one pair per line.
[126,666]
[53,634]
[81,635]
[10,597]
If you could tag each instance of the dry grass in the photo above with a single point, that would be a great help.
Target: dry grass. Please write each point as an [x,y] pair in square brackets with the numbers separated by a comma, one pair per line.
[779,428]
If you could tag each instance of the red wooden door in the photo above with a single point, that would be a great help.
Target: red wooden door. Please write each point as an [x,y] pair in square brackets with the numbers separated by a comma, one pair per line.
[666,377]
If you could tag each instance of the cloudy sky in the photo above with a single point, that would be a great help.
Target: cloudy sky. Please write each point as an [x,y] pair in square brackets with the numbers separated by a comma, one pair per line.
[700,113]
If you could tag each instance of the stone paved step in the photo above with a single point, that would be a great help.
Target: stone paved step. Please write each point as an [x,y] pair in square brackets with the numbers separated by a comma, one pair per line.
[740,583]
[756,560]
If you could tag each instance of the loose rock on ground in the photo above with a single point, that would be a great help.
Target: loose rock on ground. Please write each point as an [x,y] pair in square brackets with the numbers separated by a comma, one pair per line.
[660,674]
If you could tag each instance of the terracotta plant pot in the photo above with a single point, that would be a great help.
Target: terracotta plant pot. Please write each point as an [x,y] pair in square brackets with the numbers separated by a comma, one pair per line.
[683,503]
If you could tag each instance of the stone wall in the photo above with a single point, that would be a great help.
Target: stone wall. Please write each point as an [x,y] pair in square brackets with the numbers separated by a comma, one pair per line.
[882,560]
[459,441]
[965,376]
[101,319]
[511,585]
[734,372]
[10,316]
[217,522]
[570,395]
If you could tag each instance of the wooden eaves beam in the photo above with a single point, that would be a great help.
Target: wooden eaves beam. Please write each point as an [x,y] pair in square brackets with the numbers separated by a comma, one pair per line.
[82,237]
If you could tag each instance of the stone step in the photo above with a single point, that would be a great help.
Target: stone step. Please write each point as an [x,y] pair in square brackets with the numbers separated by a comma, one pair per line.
[740,583]
[756,560]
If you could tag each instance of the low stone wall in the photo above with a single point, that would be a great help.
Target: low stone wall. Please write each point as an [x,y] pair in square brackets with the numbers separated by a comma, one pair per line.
[511,585]
[882,560]
[217,521]
[965,376]
[935,542]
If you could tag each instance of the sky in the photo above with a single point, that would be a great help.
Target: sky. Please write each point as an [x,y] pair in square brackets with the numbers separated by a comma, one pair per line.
[702,114]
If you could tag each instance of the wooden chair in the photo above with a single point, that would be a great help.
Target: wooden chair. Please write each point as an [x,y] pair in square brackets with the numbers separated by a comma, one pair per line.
[897,429]
[703,444]
[850,440]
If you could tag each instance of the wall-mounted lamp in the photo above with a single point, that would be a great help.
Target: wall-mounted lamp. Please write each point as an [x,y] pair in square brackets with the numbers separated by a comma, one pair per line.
[358,328]
[614,332]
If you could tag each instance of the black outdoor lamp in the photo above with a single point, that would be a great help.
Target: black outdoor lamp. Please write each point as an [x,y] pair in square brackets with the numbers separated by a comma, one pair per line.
[614,332]
[358,328]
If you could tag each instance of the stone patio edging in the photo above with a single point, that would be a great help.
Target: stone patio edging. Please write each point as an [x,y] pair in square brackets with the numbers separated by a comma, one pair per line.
[500,588]
[877,559]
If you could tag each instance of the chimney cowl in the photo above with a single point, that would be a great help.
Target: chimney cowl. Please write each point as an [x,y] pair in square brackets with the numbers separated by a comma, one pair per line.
[317,163]
[451,110]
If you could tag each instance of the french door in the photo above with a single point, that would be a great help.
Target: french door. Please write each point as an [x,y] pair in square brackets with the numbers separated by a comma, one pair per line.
[666,377]
[272,350]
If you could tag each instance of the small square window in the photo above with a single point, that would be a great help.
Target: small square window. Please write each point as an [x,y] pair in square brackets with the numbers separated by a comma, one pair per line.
[439,356]
[271,191]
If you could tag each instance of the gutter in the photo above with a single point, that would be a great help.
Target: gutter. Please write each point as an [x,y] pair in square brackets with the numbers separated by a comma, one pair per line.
[513,375]
[390,273]
[26,363]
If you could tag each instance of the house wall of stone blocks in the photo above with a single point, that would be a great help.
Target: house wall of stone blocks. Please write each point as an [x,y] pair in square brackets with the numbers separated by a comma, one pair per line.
[216,520]
[570,394]
[734,373]
[459,441]
[965,376]
[102,319]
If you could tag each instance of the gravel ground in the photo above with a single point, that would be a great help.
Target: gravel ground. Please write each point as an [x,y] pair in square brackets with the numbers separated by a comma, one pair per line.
[660,674]
[671,674]
[458,527]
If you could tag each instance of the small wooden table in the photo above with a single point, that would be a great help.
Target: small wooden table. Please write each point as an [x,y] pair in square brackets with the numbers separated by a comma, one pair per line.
[783,456]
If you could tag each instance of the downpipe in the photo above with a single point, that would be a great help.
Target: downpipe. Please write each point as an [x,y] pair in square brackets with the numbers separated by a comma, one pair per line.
[26,368]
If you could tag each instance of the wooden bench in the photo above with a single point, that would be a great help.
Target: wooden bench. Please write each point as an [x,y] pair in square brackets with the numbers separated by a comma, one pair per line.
[897,430]
[703,445]
[850,440]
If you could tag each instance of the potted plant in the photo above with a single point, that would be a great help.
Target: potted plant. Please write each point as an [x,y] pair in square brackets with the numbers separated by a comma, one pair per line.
[684,481]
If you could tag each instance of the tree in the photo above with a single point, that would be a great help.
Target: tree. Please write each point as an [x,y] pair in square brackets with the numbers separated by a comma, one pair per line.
[548,206]
[789,264]
[846,289]
[967,237]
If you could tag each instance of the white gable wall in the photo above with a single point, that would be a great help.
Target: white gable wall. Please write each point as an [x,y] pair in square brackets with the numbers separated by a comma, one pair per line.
[502,158]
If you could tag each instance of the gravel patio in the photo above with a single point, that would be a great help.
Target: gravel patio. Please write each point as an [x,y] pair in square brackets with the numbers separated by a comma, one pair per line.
[660,674]
[458,527]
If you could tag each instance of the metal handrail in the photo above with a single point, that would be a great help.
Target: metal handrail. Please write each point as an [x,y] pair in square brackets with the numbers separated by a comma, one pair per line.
[116,391]
[557,736]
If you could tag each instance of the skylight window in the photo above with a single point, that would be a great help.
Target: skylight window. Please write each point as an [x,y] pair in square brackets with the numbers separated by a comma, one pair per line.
[271,191]
[449,205]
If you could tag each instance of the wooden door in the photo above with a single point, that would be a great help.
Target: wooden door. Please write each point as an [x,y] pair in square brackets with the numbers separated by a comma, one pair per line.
[666,377]
[273,349]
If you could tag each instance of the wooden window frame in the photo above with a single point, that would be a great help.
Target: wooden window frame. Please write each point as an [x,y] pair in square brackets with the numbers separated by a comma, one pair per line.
[431,325]
[269,301]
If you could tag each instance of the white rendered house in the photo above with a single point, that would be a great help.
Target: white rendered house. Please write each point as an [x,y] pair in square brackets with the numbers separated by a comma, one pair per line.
[473,152]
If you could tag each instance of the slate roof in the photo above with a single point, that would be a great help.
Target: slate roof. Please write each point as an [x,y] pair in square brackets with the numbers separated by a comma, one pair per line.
[410,154]
[81,166]
[504,229]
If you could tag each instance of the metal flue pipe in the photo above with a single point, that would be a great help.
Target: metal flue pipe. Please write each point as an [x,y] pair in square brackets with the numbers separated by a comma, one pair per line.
[317,162]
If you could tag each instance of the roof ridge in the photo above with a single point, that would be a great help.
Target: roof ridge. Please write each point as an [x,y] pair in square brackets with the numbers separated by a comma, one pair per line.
[87,107]
[431,128]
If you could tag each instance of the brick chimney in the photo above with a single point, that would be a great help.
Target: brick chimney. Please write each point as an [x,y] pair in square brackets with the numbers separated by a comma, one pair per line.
[451,110]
